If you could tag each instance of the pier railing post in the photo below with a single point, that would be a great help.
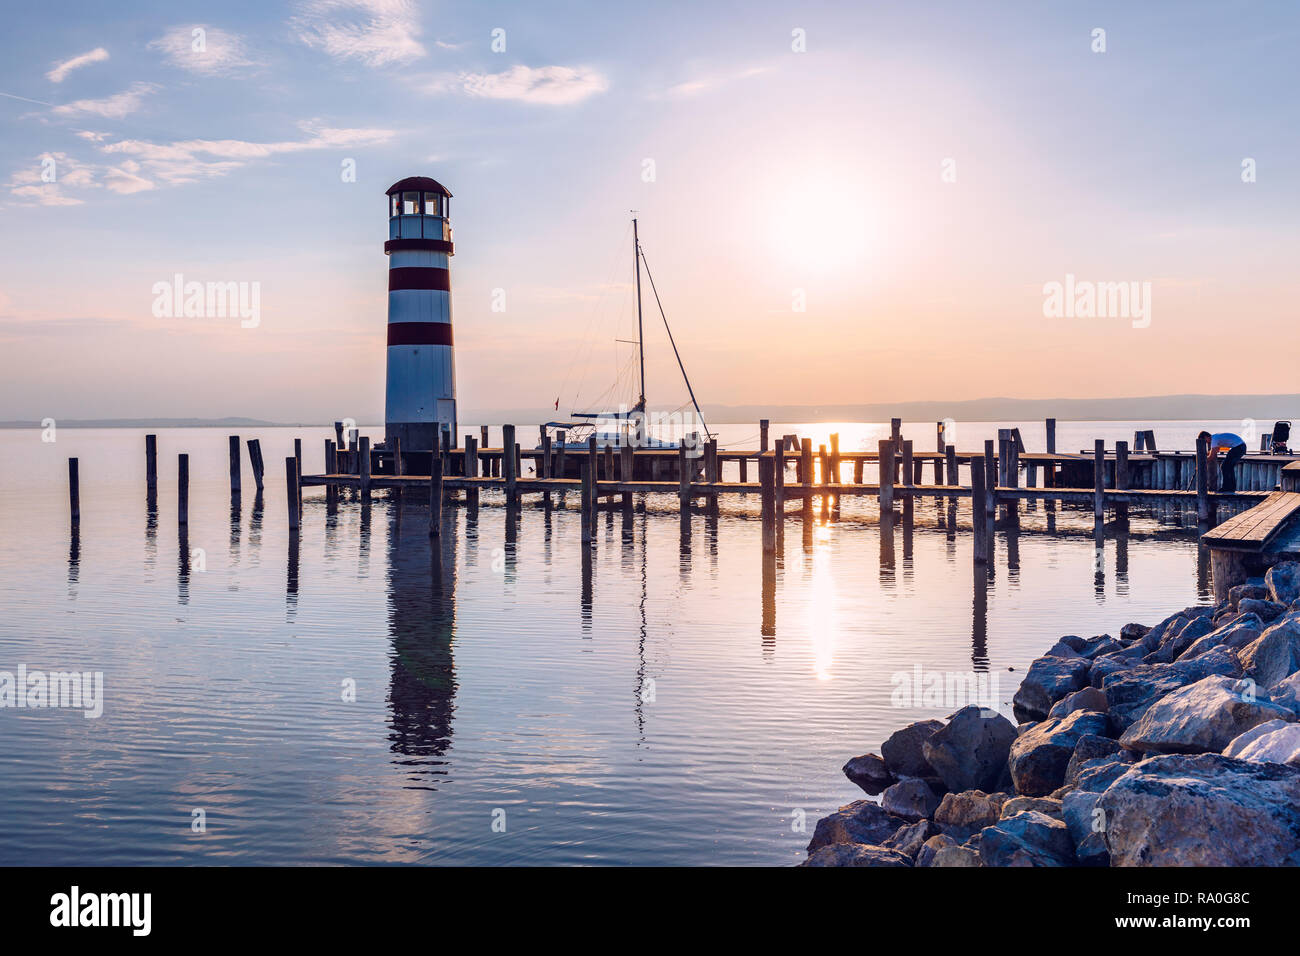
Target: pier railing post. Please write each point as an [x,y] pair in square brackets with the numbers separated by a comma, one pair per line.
[767,484]
[1121,478]
[508,462]
[950,456]
[908,475]
[1099,479]
[291,491]
[1202,480]
[183,489]
[978,515]
[363,465]
[74,491]
[886,462]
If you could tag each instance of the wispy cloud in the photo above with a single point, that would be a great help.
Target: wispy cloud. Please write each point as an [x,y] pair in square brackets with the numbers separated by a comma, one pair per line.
[117,106]
[208,51]
[376,32]
[33,183]
[711,81]
[550,85]
[62,69]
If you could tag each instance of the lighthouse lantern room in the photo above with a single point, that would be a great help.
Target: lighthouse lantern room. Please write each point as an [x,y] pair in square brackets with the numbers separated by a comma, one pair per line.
[421,390]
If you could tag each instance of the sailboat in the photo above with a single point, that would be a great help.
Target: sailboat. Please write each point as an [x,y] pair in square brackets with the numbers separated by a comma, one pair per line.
[629,426]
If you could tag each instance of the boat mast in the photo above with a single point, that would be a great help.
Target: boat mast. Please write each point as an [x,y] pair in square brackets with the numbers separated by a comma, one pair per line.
[640,331]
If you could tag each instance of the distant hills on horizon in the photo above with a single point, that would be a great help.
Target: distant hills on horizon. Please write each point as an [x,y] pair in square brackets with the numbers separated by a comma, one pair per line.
[1148,408]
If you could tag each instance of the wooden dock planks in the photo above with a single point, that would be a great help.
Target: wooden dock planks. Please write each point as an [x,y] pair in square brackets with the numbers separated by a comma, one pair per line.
[1252,530]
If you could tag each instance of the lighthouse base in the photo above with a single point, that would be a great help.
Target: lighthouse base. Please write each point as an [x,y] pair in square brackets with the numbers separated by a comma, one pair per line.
[418,436]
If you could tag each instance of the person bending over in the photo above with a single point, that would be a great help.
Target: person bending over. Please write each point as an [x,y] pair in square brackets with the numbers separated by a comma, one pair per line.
[1234,448]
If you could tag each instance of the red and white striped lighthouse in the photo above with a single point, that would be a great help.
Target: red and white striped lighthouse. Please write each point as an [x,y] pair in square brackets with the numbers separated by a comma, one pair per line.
[421,392]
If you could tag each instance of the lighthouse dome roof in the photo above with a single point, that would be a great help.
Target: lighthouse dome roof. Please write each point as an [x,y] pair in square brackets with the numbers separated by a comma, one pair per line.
[421,183]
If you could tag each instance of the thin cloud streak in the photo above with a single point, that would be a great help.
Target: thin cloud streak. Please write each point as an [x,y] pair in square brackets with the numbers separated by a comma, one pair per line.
[62,69]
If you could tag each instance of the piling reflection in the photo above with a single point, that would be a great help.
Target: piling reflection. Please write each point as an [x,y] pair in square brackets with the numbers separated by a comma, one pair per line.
[979,634]
[887,547]
[183,564]
[74,560]
[421,622]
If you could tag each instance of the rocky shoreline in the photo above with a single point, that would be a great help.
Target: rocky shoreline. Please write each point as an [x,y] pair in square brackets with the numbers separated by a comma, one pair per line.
[1172,745]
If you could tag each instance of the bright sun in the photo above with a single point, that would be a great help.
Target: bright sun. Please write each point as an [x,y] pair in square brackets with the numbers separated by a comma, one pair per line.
[824,226]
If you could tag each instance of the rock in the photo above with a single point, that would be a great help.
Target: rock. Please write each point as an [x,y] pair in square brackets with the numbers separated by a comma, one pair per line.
[1258,592]
[911,799]
[858,822]
[968,812]
[970,753]
[1048,680]
[902,752]
[869,772]
[1133,632]
[1038,758]
[1205,810]
[909,839]
[1092,851]
[1089,747]
[1174,644]
[1200,718]
[925,855]
[1287,693]
[1047,805]
[1096,646]
[1130,693]
[1276,654]
[956,856]
[856,854]
[1089,698]
[1240,631]
[1027,839]
[1283,582]
[1265,610]
[1274,741]
[1103,667]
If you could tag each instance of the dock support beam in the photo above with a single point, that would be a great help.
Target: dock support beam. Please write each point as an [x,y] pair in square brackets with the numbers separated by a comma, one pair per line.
[291,491]
[886,461]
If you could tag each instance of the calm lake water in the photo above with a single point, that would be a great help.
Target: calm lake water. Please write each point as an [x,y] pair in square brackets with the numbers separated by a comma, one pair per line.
[670,701]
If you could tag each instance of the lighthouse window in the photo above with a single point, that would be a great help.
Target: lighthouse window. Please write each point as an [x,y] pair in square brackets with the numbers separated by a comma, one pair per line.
[410,204]
[432,204]
[394,206]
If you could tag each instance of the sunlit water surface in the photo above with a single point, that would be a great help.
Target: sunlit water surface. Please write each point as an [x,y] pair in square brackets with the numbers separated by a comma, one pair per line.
[671,701]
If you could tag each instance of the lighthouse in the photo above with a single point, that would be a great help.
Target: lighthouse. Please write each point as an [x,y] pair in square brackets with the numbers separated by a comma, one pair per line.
[421,391]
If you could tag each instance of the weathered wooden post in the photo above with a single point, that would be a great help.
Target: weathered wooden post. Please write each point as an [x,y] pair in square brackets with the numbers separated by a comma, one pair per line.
[255,462]
[331,463]
[763,425]
[483,437]
[909,478]
[778,480]
[990,479]
[683,479]
[896,431]
[806,468]
[363,464]
[471,468]
[1202,479]
[627,472]
[950,454]
[291,488]
[767,486]
[941,441]
[834,478]
[978,515]
[1121,478]
[508,464]
[235,488]
[1099,479]
[183,489]
[74,491]
[587,469]
[886,462]
[558,471]
[151,465]
[435,496]
[1051,436]
[339,441]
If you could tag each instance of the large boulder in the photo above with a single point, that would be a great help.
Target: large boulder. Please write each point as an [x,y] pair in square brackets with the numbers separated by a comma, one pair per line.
[1047,805]
[1089,747]
[1027,839]
[962,814]
[1254,588]
[856,854]
[869,772]
[1283,582]
[1133,632]
[902,751]
[1131,692]
[912,799]
[1173,644]
[1276,654]
[1200,718]
[1038,757]
[1274,741]
[1264,610]
[858,822]
[1048,680]
[956,856]
[1089,698]
[909,839]
[1287,693]
[1204,810]
[1242,630]
[970,752]
[940,841]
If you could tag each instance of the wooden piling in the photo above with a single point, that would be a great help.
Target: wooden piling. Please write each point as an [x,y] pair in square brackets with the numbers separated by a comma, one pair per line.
[763,425]
[74,491]
[909,478]
[435,497]
[990,479]
[1051,436]
[627,471]
[508,463]
[183,489]
[1121,478]
[834,460]
[778,481]
[338,435]
[941,441]
[950,455]
[886,462]
[234,467]
[297,454]
[483,437]
[258,465]
[587,468]
[1099,479]
[1202,479]
[291,488]
[896,431]
[151,464]
[683,479]
[806,469]
[767,484]
[363,464]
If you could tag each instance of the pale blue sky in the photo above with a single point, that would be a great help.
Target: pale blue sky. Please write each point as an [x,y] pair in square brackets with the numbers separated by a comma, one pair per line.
[775,171]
